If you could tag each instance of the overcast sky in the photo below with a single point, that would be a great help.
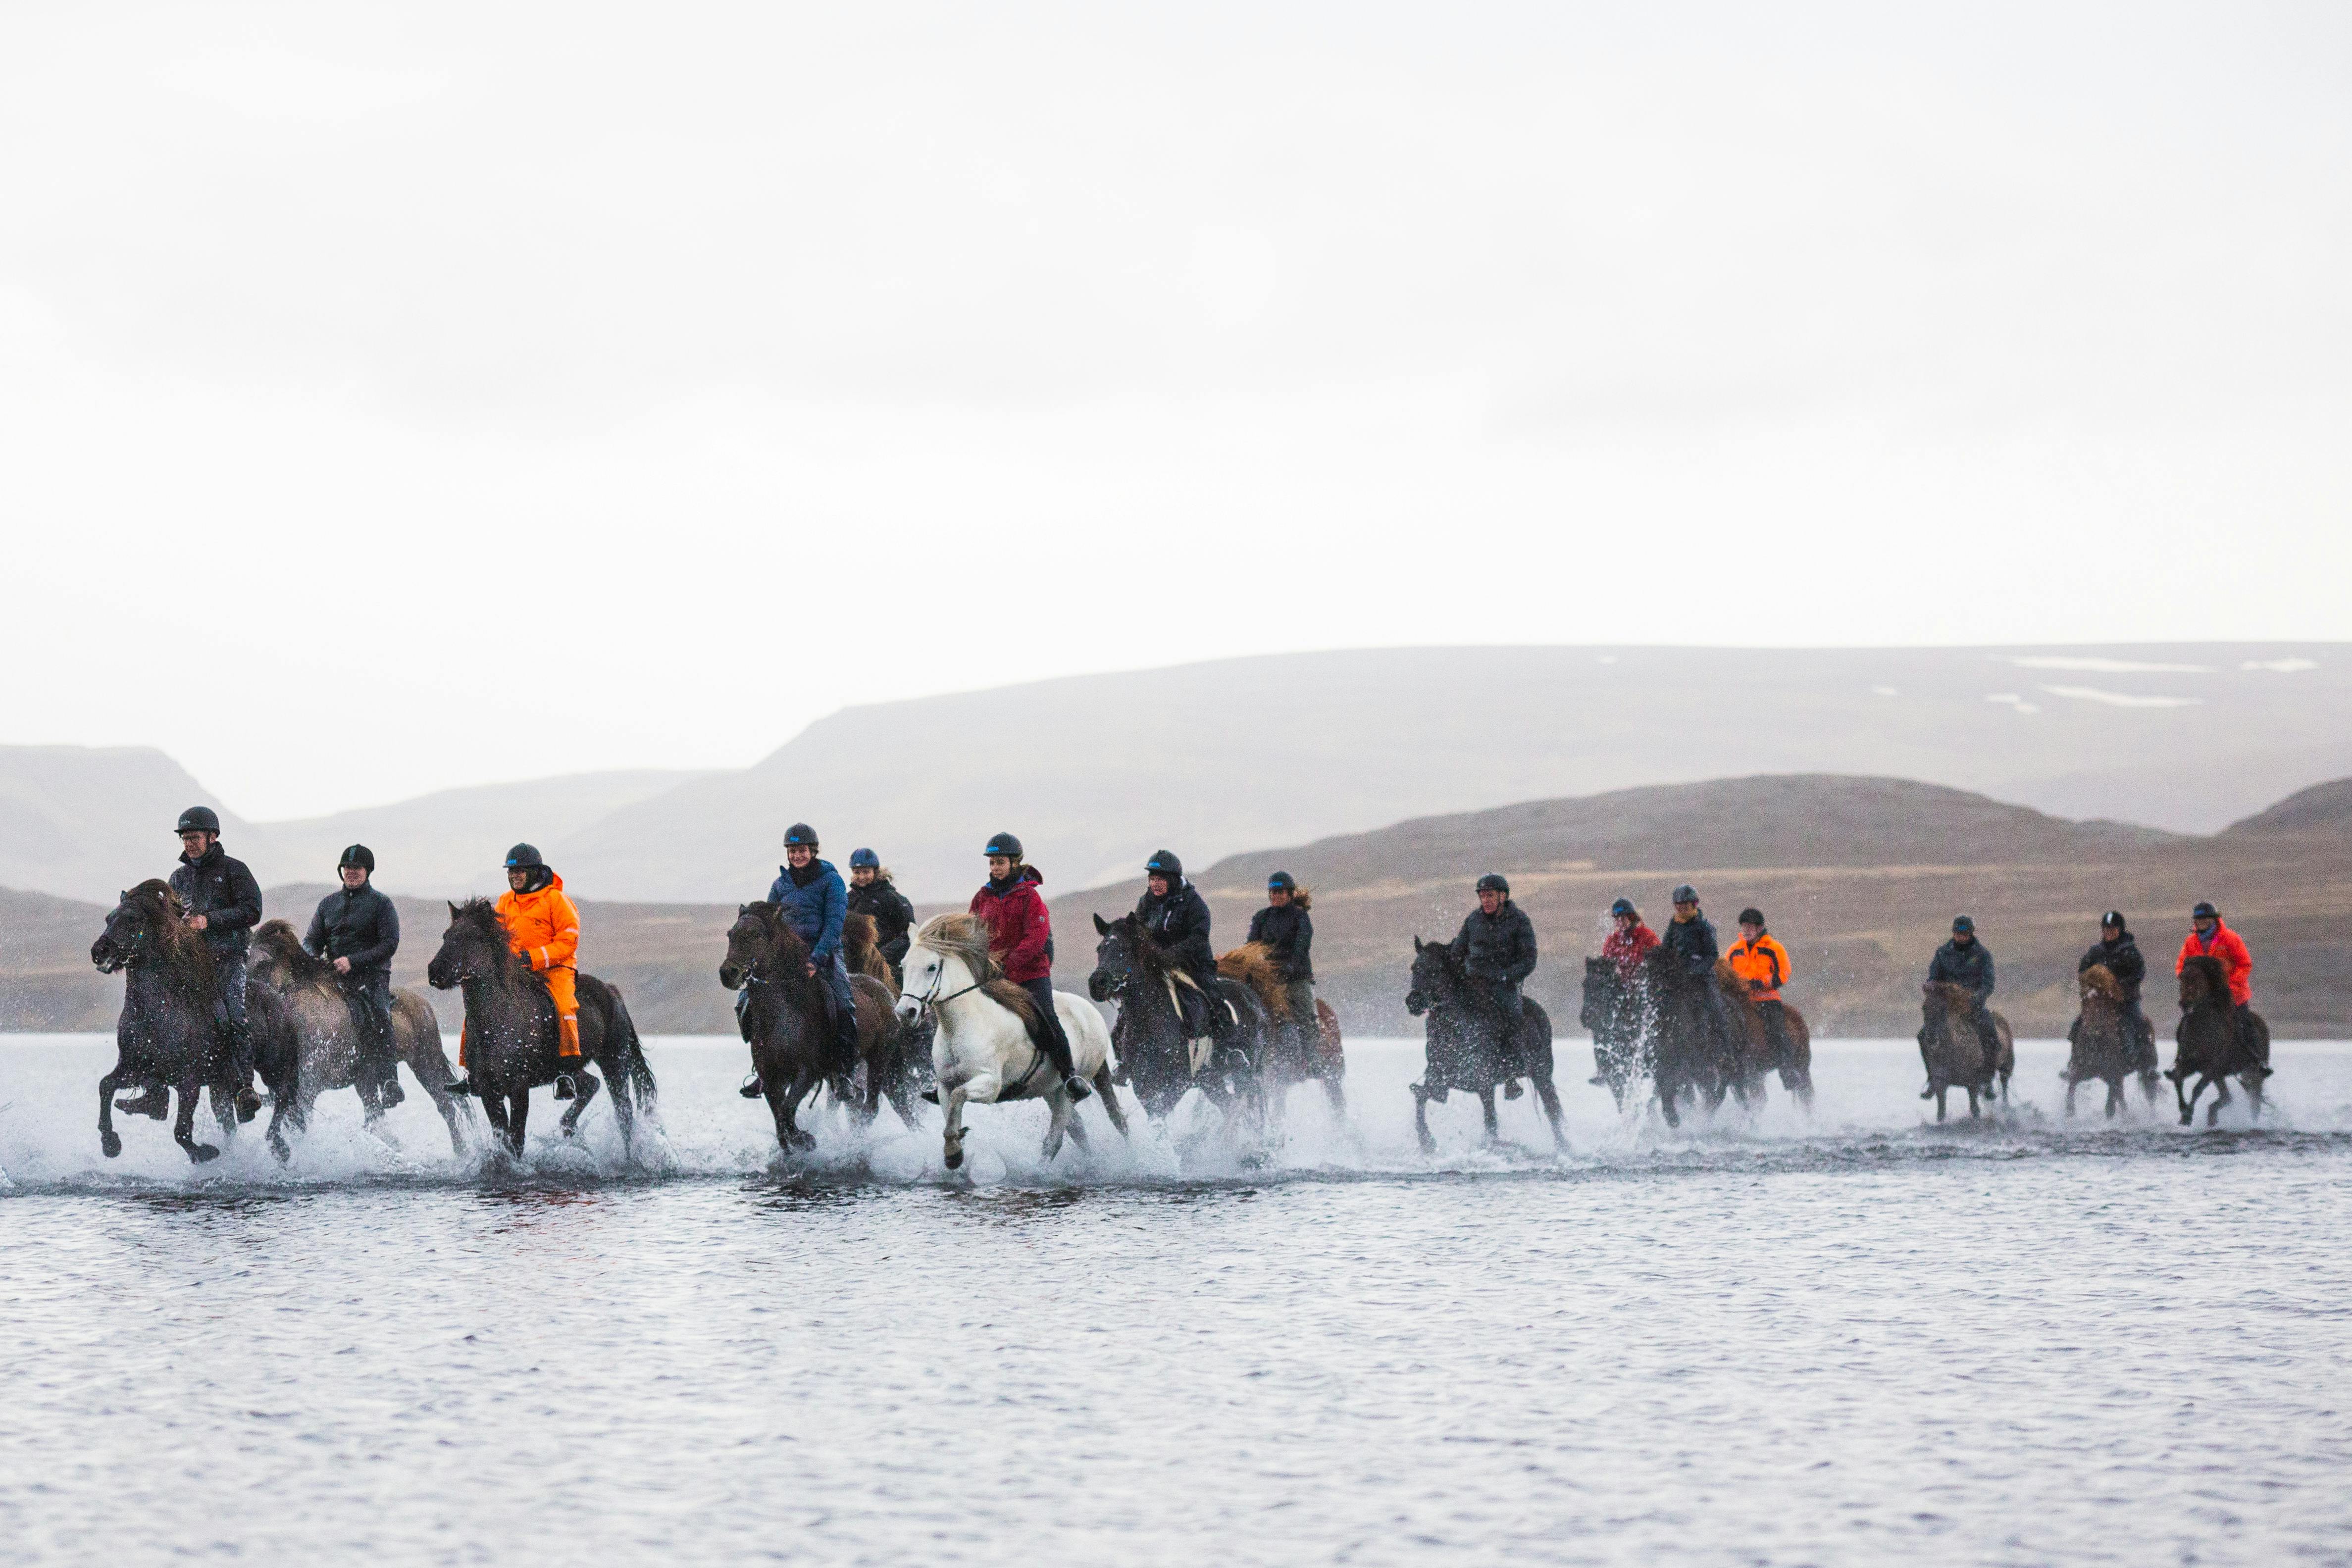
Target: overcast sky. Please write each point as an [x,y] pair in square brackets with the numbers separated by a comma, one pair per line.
[400,397]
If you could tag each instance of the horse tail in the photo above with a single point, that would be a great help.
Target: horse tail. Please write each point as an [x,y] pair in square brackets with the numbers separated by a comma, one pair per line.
[640,1072]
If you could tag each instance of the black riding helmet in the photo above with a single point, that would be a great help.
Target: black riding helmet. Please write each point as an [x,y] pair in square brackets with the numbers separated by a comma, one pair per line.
[2204,911]
[1492,883]
[1282,880]
[1004,844]
[1961,923]
[198,819]
[798,834]
[524,857]
[1623,907]
[1751,915]
[1163,862]
[358,855]
[2113,920]
[1685,894]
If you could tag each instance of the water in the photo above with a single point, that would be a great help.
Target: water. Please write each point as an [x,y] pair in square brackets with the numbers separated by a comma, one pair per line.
[1839,1341]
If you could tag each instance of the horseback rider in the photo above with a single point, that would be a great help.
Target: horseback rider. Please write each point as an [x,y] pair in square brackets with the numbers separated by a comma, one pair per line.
[219,898]
[1498,943]
[1021,940]
[1760,961]
[1967,963]
[2207,938]
[1287,932]
[1689,939]
[1176,916]
[543,926]
[1625,947]
[2118,951]
[358,930]
[814,902]
[872,893]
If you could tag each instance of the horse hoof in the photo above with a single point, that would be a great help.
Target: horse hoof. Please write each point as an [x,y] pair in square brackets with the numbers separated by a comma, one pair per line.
[112,1143]
[203,1152]
[2187,1118]
[955,1159]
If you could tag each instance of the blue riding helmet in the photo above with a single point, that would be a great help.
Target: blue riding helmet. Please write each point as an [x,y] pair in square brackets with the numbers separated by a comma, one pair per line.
[866,859]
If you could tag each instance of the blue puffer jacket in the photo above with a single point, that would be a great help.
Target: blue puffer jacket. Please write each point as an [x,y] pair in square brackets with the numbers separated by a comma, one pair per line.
[815,912]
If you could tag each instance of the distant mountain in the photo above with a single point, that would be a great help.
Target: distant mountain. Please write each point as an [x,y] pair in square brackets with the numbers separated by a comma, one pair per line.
[1209,759]
[2322,809]
[88,822]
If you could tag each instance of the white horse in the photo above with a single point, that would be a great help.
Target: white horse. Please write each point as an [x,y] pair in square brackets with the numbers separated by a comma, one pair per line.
[982,1050]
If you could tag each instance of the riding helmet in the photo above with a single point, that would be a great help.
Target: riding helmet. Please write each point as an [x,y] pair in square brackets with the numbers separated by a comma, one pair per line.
[2204,910]
[523,857]
[1685,894]
[1163,862]
[1282,880]
[359,855]
[1623,907]
[1751,915]
[1962,923]
[798,834]
[1004,844]
[198,819]
[2112,920]
[1492,883]
[865,858]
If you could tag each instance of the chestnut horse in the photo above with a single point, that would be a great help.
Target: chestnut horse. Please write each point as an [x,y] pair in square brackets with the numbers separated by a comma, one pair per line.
[2102,1035]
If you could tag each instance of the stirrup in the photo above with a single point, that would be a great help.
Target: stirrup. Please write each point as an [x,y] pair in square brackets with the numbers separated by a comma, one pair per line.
[931,1095]
[565,1086]
[1513,1089]
[1076,1088]
[460,1087]
[751,1088]
[248,1104]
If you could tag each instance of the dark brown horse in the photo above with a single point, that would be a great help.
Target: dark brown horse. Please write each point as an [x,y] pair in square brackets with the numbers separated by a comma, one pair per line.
[328,1031]
[1298,1049]
[793,1046]
[510,1031]
[2102,1037]
[1157,1055]
[2215,1042]
[1955,1054]
[1465,1050]
[1752,1042]
[171,1036]
[1688,1056]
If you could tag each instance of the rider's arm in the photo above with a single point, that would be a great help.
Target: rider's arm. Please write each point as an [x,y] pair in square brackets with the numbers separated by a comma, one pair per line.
[244,907]
[315,940]
[564,945]
[1036,930]
[835,911]
[1523,954]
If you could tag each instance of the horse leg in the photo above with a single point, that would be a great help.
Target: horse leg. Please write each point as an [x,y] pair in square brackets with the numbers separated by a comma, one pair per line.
[2253,1085]
[184,1128]
[446,1103]
[1942,1090]
[518,1118]
[2221,1098]
[1547,1092]
[109,1140]
[1972,1102]
[1670,1088]
[1103,1092]
[951,1134]
[494,1106]
[1057,1104]
[2189,1103]
[1487,1115]
[782,1106]
[278,1112]
[795,1137]
[2070,1100]
[1421,1121]
[2114,1097]
[590,1087]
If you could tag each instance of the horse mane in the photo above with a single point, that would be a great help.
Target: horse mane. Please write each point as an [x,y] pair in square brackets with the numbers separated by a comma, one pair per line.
[1013,999]
[2098,978]
[1728,980]
[277,938]
[859,932]
[1155,961]
[186,954]
[963,936]
[2211,971]
[1251,964]
[1954,996]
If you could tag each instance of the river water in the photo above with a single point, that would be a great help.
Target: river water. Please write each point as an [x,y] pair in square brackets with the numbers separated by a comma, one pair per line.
[1843,1339]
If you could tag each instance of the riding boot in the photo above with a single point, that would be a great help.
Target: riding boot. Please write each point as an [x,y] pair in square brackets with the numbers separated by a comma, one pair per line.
[571,1067]
[1055,1041]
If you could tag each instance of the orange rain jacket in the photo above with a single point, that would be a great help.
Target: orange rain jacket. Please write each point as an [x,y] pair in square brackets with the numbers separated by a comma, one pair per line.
[543,927]
[1763,960]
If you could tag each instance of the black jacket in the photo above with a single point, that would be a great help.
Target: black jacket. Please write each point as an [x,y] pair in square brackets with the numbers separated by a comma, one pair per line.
[1498,946]
[359,923]
[2123,959]
[1970,967]
[1289,933]
[893,915]
[224,892]
[1692,942]
[1180,923]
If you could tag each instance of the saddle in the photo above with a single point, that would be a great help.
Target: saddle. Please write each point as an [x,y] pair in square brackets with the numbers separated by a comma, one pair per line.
[1022,1006]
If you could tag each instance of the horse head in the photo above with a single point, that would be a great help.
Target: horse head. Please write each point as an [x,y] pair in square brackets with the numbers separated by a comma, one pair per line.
[751,942]
[145,927]
[946,957]
[1436,977]
[2099,982]
[1123,957]
[278,959]
[2203,979]
[474,947]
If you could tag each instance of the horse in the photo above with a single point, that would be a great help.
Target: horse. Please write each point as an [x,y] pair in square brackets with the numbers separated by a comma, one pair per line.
[169,1036]
[512,1036]
[793,1046]
[1751,1042]
[1619,1014]
[2102,1038]
[1954,1054]
[326,1031]
[2210,1046]
[1155,1051]
[983,1049]
[1301,1048]
[1463,1051]
[1687,1055]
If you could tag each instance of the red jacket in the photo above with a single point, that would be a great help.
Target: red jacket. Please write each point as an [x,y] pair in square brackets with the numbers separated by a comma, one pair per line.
[2231,949]
[1019,928]
[1626,949]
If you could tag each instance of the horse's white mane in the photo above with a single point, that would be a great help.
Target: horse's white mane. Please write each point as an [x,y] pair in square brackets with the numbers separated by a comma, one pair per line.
[962,937]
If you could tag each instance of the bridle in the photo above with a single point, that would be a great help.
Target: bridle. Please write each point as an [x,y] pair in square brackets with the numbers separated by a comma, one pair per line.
[930,1000]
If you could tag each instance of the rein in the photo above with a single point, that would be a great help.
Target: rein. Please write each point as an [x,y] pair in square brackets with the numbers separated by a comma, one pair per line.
[930,1000]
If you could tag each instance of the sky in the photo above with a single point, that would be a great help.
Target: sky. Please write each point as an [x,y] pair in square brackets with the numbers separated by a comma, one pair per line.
[394,398]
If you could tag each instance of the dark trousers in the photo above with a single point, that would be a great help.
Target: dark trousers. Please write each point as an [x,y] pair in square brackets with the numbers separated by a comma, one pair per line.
[1057,1041]
[228,968]
[1776,1031]
[1499,1000]
[369,992]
